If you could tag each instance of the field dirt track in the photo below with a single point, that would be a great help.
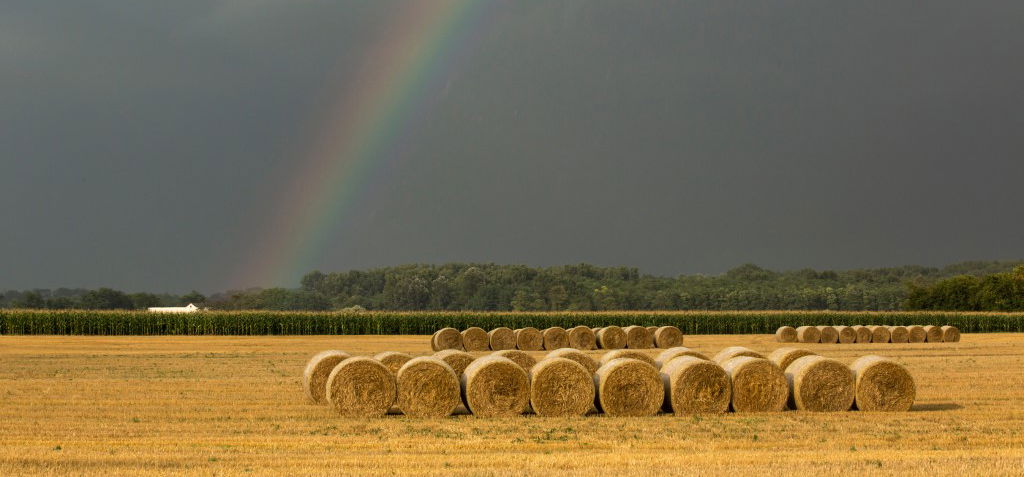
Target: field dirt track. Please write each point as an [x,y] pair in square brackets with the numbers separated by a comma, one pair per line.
[234,406]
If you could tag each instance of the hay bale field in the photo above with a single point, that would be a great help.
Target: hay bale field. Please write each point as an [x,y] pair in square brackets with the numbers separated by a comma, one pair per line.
[576,355]
[318,369]
[734,351]
[695,386]
[916,334]
[863,333]
[829,334]
[394,360]
[529,339]
[627,353]
[882,385]
[758,385]
[458,360]
[561,387]
[446,338]
[820,384]
[783,357]
[581,338]
[501,338]
[611,337]
[846,334]
[899,334]
[672,353]
[493,386]
[950,334]
[786,334]
[879,334]
[668,337]
[555,337]
[519,357]
[932,334]
[361,387]
[628,387]
[808,334]
[637,337]
[428,388]
[475,338]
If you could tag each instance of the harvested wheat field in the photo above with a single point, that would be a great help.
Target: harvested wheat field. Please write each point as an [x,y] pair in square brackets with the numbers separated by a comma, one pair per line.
[236,406]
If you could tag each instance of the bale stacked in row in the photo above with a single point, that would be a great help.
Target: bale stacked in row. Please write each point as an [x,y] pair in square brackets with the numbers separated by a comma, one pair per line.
[579,337]
[868,334]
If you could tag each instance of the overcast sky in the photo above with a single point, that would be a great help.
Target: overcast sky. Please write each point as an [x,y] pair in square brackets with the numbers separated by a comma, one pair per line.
[143,143]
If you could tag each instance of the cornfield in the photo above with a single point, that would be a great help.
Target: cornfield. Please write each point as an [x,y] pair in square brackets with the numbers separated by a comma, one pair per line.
[91,322]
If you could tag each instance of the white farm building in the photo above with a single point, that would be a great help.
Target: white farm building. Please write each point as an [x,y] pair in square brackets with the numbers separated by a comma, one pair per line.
[174,309]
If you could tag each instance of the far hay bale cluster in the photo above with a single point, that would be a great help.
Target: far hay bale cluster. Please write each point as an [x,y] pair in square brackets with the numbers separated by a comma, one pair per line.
[868,334]
[579,337]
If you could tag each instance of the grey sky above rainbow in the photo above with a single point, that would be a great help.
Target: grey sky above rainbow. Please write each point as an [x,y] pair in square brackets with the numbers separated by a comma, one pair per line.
[166,146]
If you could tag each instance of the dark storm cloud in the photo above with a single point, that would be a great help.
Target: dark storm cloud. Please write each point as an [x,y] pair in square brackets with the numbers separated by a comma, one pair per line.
[143,144]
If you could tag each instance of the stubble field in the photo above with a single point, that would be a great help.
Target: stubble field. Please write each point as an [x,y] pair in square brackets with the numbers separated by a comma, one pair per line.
[234,405]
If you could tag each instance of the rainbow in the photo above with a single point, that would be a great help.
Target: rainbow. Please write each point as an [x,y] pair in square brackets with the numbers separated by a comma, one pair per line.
[397,78]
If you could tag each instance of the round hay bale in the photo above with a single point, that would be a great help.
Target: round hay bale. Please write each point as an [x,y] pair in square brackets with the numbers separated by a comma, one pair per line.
[637,337]
[555,338]
[808,334]
[863,333]
[758,385]
[576,355]
[428,387]
[501,338]
[829,335]
[695,386]
[627,353]
[882,385]
[651,330]
[950,334]
[561,387]
[899,334]
[392,359]
[519,357]
[628,387]
[611,337]
[734,351]
[672,353]
[668,337]
[493,386]
[916,334]
[879,334]
[314,378]
[458,360]
[783,357]
[446,338]
[361,387]
[475,338]
[932,334]
[846,334]
[820,384]
[785,334]
[529,339]
[582,338]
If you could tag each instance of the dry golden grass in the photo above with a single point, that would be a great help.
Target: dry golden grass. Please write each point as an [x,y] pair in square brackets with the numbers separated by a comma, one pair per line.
[235,406]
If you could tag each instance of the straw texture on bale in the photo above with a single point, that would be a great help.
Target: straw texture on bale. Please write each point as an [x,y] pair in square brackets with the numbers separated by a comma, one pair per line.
[783,357]
[932,334]
[582,338]
[458,360]
[576,355]
[428,387]
[672,353]
[446,338]
[879,334]
[846,334]
[493,386]
[502,338]
[561,387]
[611,337]
[863,333]
[475,338]
[693,385]
[882,385]
[556,338]
[785,334]
[637,337]
[950,334]
[899,334]
[314,378]
[820,384]
[808,334]
[916,334]
[668,337]
[361,387]
[519,357]
[651,330]
[734,351]
[627,353]
[829,334]
[758,385]
[628,387]
[392,359]
[529,339]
